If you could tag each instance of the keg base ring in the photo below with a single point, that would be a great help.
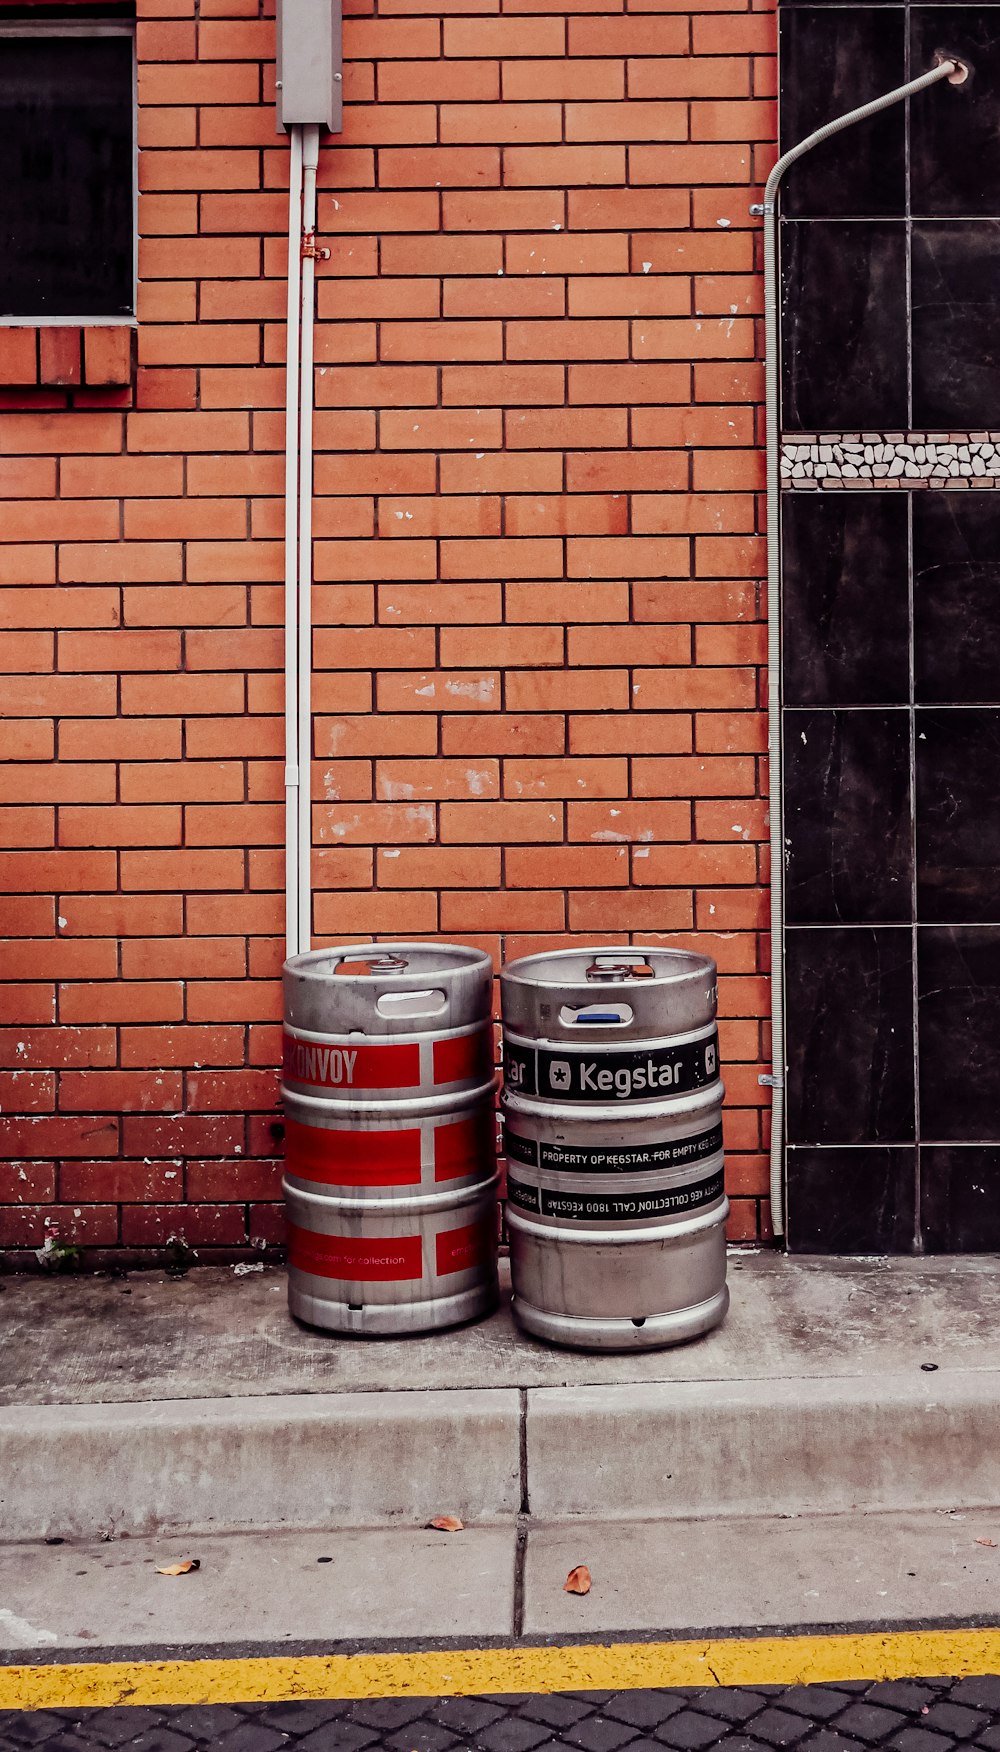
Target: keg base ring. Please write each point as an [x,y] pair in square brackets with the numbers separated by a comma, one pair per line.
[391,1319]
[654,1332]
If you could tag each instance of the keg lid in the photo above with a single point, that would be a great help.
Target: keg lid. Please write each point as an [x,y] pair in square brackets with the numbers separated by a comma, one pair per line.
[617,964]
[399,962]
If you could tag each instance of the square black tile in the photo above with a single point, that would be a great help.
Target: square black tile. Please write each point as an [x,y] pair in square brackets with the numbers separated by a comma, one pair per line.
[956,597]
[956,324]
[849,1036]
[832,60]
[851,1201]
[955,129]
[958,815]
[844,339]
[960,1198]
[845,594]
[848,836]
[958,1027]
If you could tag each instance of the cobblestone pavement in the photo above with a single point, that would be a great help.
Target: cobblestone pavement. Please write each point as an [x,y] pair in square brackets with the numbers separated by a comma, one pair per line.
[925,1715]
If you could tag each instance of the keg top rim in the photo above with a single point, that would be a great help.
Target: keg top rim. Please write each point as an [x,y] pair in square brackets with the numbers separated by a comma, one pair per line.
[320,963]
[684,964]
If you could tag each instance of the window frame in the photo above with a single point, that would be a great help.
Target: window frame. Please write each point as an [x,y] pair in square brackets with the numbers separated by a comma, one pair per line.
[87,27]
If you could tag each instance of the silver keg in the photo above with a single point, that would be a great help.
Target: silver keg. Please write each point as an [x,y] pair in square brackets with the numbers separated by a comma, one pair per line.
[390,1143]
[612,1114]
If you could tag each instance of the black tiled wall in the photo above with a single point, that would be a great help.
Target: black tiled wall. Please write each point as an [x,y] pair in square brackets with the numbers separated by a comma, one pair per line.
[890,262]
[891,231]
[892,887]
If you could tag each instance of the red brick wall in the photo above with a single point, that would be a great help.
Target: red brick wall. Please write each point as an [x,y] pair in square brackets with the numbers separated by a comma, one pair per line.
[538,609]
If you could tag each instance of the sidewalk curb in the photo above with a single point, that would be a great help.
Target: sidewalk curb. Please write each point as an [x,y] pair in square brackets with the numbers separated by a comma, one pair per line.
[221,1465]
[655,1451]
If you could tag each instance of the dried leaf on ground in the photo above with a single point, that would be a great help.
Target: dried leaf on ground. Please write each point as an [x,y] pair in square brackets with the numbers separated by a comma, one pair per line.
[180,1569]
[578,1580]
[447,1524]
[990,1542]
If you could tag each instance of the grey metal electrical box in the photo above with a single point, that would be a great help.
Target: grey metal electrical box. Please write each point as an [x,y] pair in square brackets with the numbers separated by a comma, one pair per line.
[310,62]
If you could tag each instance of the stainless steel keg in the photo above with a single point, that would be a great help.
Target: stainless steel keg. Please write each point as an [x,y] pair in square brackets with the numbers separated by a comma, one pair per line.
[390,1154]
[612,1108]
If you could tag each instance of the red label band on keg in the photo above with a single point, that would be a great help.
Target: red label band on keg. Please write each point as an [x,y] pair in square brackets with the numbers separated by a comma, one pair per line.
[464,1058]
[612,1076]
[612,1158]
[353,1259]
[463,1249]
[317,1065]
[615,1207]
[464,1147]
[338,1157]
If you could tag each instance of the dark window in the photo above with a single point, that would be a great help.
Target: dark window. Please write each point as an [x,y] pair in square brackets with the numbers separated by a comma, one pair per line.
[67,191]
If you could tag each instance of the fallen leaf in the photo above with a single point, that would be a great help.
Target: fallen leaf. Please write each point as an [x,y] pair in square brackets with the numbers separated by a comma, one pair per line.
[447,1524]
[578,1580]
[180,1569]
[990,1542]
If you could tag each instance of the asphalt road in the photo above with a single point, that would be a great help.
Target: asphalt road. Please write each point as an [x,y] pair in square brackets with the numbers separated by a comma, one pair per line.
[906,1715]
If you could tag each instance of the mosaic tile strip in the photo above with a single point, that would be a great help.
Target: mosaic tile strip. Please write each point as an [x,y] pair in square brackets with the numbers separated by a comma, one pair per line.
[957,460]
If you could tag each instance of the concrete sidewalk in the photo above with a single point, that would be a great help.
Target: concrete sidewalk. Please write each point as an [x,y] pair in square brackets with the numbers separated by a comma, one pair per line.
[162,1405]
[831,1455]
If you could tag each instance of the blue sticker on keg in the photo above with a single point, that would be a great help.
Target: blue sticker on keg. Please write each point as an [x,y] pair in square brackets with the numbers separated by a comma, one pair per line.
[614,1207]
[627,1076]
[613,1158]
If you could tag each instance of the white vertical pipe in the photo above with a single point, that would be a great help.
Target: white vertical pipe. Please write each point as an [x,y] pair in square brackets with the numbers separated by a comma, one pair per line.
[955,71]
[291,544]
[310,159]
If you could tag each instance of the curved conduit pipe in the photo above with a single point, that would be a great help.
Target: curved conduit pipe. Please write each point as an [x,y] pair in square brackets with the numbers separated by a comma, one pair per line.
[302,257]
[955,71]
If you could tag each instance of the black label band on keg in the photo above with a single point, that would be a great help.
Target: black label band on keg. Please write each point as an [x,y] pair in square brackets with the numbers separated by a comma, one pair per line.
[628,1076]
[615,1207]
[519,1068]
[613,1158]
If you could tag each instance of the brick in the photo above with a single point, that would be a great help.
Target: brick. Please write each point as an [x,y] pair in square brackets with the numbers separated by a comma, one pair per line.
[508,733]
[28,1091]
[40,1046]
[643,821]
[473,122]
[512,382]
[438,867]
[626,121]
[119,915]
[505,297]
[630,733]
[59,355]
[19,356]
[200,1225]
[711,776]
[107,356]
[500,823]
[508,910]
[558,79]
[363,915]
[181,1046]
[565,778]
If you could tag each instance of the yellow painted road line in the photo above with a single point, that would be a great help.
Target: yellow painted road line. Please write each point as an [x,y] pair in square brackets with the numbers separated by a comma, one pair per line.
[793,1660]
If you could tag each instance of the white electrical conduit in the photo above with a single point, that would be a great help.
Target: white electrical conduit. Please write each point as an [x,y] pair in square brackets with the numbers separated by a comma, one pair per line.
[302,254]
[291,542]
[957,73]
[310,157]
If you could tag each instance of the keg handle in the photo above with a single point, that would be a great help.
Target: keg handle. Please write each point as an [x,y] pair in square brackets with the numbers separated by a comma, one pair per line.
[428,1003]
[595,1016]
